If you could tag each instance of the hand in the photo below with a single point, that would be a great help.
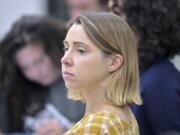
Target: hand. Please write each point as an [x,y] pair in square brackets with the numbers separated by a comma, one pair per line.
[50,127]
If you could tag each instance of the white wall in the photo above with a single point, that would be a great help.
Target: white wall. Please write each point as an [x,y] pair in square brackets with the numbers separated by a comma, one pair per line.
[10,10]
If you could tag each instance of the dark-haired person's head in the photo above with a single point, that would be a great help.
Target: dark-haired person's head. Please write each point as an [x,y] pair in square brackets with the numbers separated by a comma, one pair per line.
[156,24]
[32,49]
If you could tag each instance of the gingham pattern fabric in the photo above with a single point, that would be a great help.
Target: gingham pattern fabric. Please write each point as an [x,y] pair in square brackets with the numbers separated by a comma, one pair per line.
[104,123]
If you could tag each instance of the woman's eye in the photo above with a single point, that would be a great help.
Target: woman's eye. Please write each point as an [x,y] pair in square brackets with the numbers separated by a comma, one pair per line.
[65,49]
[81,51]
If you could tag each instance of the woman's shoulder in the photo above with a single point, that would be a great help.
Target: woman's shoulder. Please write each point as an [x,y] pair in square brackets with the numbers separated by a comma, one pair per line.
[103,123]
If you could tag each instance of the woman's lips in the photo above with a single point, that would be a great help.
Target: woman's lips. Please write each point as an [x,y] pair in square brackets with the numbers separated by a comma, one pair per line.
[67,75]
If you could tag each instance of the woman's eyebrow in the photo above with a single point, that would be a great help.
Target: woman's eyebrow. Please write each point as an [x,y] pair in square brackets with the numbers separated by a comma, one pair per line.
[76,43]
[79,43]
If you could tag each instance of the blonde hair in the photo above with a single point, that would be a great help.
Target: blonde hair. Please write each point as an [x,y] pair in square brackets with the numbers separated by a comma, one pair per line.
[113,35]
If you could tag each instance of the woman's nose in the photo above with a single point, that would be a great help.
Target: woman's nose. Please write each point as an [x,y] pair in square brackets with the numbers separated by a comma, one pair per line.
[66,60]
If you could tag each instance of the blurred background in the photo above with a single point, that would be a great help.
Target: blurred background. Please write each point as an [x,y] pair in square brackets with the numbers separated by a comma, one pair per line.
[11,10]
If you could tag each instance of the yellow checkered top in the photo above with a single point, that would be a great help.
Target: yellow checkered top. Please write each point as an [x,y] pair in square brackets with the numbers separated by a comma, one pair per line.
[104,123]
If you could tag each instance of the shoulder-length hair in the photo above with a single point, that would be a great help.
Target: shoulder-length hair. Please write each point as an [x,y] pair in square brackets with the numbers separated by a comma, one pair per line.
[112,35]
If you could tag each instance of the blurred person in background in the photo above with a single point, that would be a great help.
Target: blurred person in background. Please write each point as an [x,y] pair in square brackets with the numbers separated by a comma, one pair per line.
[30,73]
[157,28]
[77,7]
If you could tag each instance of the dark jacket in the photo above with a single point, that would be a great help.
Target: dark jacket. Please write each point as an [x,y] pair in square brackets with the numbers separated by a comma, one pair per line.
[160,90]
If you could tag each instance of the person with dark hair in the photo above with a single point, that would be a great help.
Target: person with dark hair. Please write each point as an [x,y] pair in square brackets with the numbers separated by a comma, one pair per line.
[100,67]
[30,75]
[157,27]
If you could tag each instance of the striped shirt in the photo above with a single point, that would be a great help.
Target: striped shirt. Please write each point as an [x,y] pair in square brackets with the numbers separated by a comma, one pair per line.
[104,123]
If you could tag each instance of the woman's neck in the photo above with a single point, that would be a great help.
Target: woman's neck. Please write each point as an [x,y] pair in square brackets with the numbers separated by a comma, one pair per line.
[94,99]
[95,102]
[94,106]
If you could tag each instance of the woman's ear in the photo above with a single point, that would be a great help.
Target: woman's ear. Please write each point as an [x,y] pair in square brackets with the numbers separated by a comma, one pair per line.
[115,62]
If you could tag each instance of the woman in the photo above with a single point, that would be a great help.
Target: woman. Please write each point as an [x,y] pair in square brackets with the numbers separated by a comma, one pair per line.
[157,27]
[30,74]
[100,68]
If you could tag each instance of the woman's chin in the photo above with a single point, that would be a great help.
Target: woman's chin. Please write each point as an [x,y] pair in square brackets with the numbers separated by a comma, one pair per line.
[70,85]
